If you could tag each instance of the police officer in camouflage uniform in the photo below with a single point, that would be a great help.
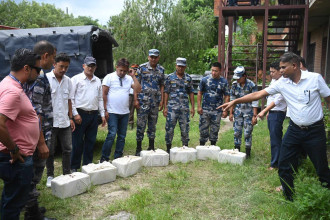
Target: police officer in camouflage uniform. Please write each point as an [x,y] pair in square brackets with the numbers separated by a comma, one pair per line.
[150,100]
[39,93]
[178,90]
[245,114]
[213,89]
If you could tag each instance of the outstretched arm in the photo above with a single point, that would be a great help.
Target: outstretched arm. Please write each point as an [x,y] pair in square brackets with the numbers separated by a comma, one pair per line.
[248,98]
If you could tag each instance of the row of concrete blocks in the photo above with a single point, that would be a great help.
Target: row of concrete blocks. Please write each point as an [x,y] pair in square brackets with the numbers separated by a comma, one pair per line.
[79,182]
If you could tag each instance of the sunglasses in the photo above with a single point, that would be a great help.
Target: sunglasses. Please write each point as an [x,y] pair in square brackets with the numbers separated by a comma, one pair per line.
[38,69]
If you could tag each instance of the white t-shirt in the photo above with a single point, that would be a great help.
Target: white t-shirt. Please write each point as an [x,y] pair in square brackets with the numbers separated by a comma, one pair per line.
[304,98]
[118,96]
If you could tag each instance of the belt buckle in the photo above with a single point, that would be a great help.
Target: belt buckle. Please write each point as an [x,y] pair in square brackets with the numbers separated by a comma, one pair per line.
[304,127]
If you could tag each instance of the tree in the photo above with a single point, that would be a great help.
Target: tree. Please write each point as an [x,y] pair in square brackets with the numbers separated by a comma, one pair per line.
[146,24]
[34,15]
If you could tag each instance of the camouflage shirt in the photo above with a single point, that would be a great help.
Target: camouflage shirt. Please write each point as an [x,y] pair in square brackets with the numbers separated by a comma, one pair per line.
[237,91]
[213,91]
[39,93]
[151,80]
[178,91]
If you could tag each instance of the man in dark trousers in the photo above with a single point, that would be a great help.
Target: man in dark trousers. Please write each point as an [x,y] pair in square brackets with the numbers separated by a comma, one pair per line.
[302,91]
[39,93]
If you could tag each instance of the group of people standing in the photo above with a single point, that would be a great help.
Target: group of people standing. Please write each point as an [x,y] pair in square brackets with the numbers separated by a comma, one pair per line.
[39,110]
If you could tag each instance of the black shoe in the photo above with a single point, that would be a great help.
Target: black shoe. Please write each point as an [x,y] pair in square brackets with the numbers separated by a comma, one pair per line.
[248,153]
[201,143]
[103,159]
[138,152]
[213,143]
[168,146]
[151,144]
[238,147]
[138,148]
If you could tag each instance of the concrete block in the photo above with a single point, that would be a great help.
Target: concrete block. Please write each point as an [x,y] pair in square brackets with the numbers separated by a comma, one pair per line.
[127,165]
[182,154]
[100,173]
[69,185]
[157,158]
[231,156]
[207,152]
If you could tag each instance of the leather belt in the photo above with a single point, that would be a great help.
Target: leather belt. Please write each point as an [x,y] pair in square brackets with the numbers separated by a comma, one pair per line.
[272,111]
[306,128]
[87,112]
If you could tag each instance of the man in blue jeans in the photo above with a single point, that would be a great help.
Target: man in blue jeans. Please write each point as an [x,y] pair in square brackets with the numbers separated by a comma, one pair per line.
[116,87]
[302,91]
[19,133]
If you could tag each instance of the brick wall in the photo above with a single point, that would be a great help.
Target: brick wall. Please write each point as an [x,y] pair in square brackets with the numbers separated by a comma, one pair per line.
[317,37]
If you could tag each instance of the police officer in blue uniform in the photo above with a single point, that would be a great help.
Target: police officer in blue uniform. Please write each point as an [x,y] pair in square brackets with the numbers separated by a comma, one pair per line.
[245,114]
[178,90]
[213,89]
[150,100]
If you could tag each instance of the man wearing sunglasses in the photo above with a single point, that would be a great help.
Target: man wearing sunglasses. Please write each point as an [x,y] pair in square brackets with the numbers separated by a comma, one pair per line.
[86,103]
[39,93]
[19,133]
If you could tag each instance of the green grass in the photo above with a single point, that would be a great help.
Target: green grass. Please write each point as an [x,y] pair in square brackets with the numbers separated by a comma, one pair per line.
[197,190]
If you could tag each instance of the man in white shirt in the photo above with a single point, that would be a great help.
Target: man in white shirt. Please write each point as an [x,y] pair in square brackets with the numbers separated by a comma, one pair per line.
[275,117]
[302,92]
[116,87]
[87,101]
[63,124]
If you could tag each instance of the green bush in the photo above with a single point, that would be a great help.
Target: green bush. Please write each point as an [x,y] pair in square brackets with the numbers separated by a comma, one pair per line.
[311,201]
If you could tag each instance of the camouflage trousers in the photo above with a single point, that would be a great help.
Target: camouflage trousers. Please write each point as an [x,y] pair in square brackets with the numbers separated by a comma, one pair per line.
[143,116]
[181,115]
[38,169]
[209,125]
[241,121]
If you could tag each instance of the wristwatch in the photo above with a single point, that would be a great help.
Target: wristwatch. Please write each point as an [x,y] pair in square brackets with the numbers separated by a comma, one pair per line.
[15,150]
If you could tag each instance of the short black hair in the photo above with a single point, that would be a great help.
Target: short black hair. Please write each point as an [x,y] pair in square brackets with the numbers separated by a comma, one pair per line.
[290,57]
[43,47]
[275,65]
[62,57]
[122,62]
[216,64]
[23,57]
[303,62]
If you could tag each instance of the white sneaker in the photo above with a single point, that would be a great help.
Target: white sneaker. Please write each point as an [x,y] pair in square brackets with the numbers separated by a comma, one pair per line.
[49,180]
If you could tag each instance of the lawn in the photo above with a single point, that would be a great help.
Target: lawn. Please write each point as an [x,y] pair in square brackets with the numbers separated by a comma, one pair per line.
[197,190]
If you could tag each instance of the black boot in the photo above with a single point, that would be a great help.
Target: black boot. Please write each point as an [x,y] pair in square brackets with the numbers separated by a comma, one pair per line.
[201,143]
[138,148]
[248,152]
[238,147]
[168,146]
[213,143]
[35,212]
[151,144]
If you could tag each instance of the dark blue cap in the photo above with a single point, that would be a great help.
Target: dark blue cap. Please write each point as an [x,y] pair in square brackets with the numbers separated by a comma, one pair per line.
[90,60]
